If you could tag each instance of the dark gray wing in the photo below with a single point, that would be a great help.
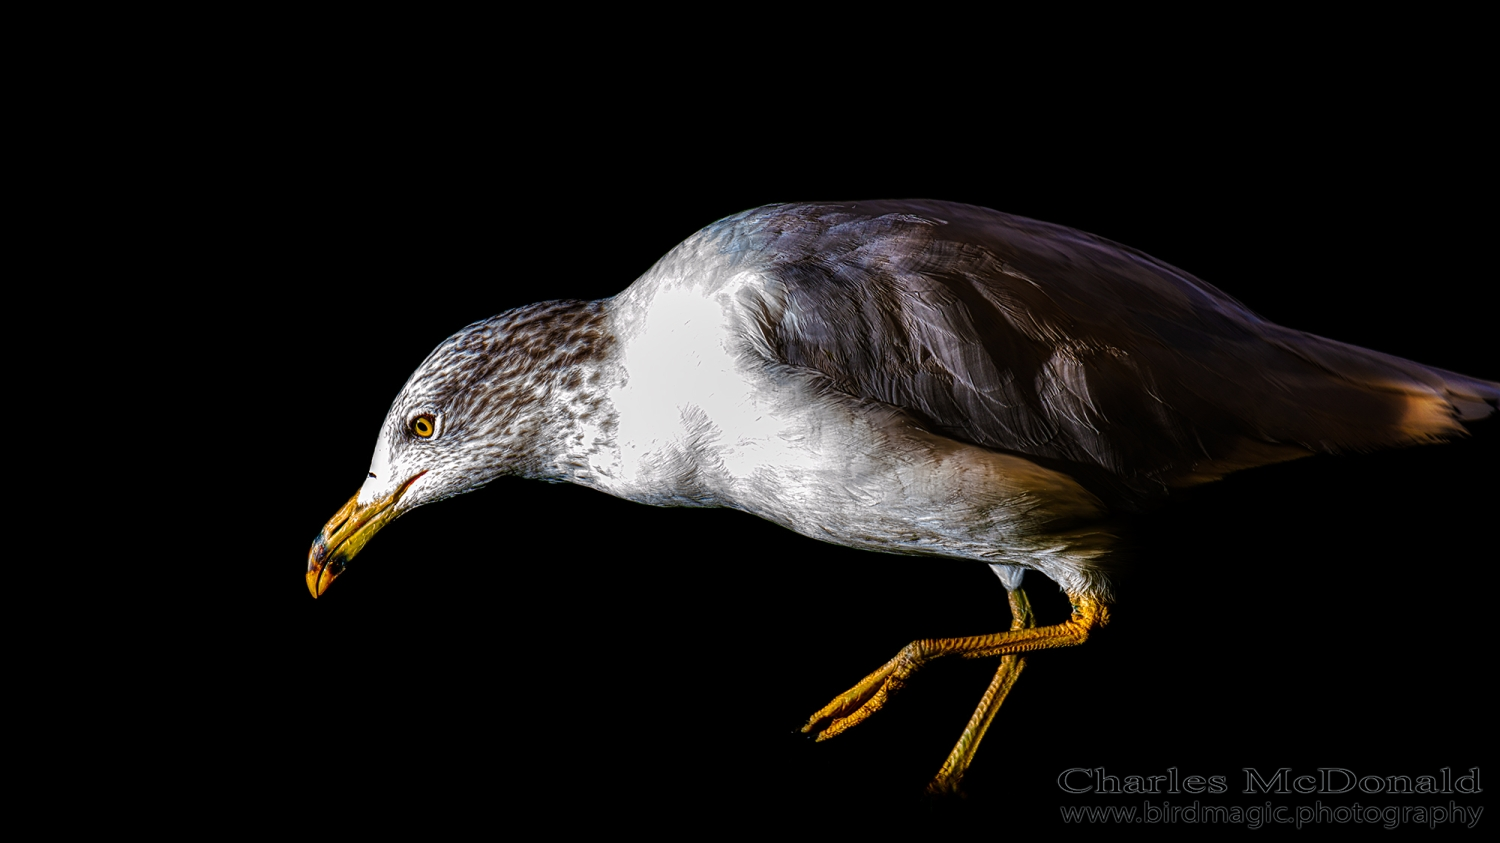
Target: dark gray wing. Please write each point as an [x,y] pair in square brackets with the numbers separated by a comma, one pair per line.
[1041,340]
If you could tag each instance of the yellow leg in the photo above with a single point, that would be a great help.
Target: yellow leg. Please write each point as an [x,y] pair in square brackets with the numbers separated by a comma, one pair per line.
[854,706]
[958,761]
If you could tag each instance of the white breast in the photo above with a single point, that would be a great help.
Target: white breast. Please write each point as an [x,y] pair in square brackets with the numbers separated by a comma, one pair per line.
[705,417]
[694,415]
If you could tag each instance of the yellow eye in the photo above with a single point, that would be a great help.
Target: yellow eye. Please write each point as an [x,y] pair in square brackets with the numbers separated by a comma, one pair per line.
[422,426]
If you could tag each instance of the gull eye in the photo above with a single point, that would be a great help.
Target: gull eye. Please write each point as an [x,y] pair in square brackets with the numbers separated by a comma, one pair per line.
[422,426]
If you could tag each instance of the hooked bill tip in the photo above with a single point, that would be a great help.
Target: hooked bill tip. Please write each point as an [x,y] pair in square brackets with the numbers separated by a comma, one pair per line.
[320,572]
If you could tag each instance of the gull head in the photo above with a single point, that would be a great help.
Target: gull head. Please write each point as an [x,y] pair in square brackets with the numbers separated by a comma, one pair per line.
[484,404]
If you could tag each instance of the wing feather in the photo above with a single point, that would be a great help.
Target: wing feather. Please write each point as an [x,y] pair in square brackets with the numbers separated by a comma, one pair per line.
[1041,340]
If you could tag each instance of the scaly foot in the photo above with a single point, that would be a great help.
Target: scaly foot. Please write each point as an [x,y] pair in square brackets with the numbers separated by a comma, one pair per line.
[856,705]
[852,707]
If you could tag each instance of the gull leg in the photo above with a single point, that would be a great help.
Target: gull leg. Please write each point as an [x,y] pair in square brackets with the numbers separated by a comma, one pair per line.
[1010,669]
[853,706]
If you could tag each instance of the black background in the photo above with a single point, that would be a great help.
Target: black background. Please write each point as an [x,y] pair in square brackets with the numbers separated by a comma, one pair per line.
[547,652]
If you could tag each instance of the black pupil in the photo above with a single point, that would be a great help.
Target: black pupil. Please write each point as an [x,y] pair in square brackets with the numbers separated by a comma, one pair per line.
[423,427]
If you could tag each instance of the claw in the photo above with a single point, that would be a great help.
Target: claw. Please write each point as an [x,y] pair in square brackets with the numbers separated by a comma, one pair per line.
[855,705]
